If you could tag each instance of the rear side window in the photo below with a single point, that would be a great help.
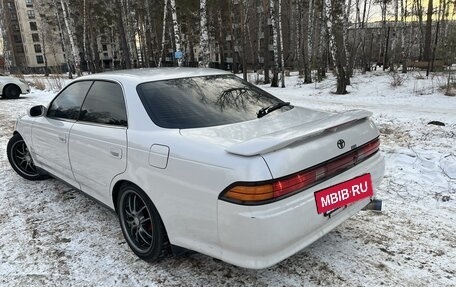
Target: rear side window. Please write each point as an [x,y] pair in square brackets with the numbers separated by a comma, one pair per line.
[203,101]
[68,103]
[104,105]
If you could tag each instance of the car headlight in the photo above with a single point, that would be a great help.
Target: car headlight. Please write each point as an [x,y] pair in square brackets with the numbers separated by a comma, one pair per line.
[23,81]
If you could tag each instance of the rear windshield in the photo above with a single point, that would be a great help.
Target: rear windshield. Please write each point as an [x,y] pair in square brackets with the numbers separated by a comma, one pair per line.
[203,101]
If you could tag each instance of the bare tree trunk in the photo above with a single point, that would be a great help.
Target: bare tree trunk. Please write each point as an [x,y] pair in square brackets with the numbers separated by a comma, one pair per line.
[123,37]
[46,69]
[266,30]
[320,53]
[275,70]
[74,51]
[165,13]
[365,60]
[427,41]
[282,62]
[148,36]
[297,23]
[348,66]
[336,27]
[305,19]
[244,40]
[221,35]
[436,39]
[403,44]
[419,12]
[428,37]
[177,36]
[65,46]
[204,53]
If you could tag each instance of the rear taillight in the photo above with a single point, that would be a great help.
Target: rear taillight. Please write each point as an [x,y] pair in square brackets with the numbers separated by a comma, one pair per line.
[251,193]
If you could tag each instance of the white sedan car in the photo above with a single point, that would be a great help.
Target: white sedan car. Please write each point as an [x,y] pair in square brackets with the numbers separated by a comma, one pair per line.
[12,87]
[198,159]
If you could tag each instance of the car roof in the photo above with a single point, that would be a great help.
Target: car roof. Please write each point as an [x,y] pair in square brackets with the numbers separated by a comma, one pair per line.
[153,74]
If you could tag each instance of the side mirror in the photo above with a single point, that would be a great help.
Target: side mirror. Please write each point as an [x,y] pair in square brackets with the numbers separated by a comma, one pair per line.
[37,111]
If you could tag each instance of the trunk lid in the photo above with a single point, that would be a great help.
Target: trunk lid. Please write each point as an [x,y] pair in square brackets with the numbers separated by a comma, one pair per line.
[294,140]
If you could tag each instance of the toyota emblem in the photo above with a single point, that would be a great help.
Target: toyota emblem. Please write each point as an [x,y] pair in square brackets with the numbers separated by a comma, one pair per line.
[341,144]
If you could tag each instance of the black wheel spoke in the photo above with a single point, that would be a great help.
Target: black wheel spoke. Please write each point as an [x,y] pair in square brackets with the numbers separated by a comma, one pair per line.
[128,213]
[137,235]
[142,232]
[130,206]
[22,159]
[134,203]
[141,210]
[129,222]
[144,220]
[132,229]
[137,221]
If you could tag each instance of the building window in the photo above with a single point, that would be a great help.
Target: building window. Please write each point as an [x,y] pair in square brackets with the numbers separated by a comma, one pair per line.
[17,38]
[33,26]
[15,27]
[39,59]
[105,55]
[35,37]
[29,3]
[13,16]
[31,14]
[37,48]
[20,49]
[105,47]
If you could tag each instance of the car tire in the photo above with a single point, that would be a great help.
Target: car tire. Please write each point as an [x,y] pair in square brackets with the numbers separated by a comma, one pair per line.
[141,224]
[21,160]
[11,92]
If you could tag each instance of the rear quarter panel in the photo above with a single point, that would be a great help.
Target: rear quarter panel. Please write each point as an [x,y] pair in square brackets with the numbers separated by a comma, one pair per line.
[186,192]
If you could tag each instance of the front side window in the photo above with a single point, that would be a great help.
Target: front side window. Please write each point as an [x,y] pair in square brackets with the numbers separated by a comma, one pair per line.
[104,105]
[68,103]
[203,101]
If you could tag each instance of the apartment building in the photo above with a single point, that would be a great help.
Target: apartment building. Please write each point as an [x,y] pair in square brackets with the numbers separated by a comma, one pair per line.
[29,45]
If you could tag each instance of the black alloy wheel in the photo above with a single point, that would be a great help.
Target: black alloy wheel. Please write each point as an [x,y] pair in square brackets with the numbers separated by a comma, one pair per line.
[141,224]
[11,92]
[21,160]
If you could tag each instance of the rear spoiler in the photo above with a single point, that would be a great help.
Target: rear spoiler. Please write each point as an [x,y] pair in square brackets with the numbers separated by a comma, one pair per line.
[278,140]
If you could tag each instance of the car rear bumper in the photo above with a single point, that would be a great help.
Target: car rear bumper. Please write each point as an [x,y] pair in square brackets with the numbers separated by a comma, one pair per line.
[260,236]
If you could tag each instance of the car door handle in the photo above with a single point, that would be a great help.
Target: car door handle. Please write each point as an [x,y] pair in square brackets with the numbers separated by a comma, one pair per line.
[62,138]
[116,152]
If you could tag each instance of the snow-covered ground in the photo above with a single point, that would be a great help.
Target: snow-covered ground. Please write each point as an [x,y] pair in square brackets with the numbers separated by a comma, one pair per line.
[53,235]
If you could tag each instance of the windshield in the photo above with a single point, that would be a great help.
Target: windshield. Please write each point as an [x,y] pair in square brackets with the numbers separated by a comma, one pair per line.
[203,101]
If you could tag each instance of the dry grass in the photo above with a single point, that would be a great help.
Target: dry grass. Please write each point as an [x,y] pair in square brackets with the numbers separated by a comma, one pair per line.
[38,83]
[397,79]
[449,90]
[55,82]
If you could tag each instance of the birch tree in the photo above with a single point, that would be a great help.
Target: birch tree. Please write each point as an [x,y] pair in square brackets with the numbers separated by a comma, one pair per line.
[204,53]
[69,29]
[176,28]
[266,31]
[335,22]
[282,61]
[275,69]
[165,13]
[64,43]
